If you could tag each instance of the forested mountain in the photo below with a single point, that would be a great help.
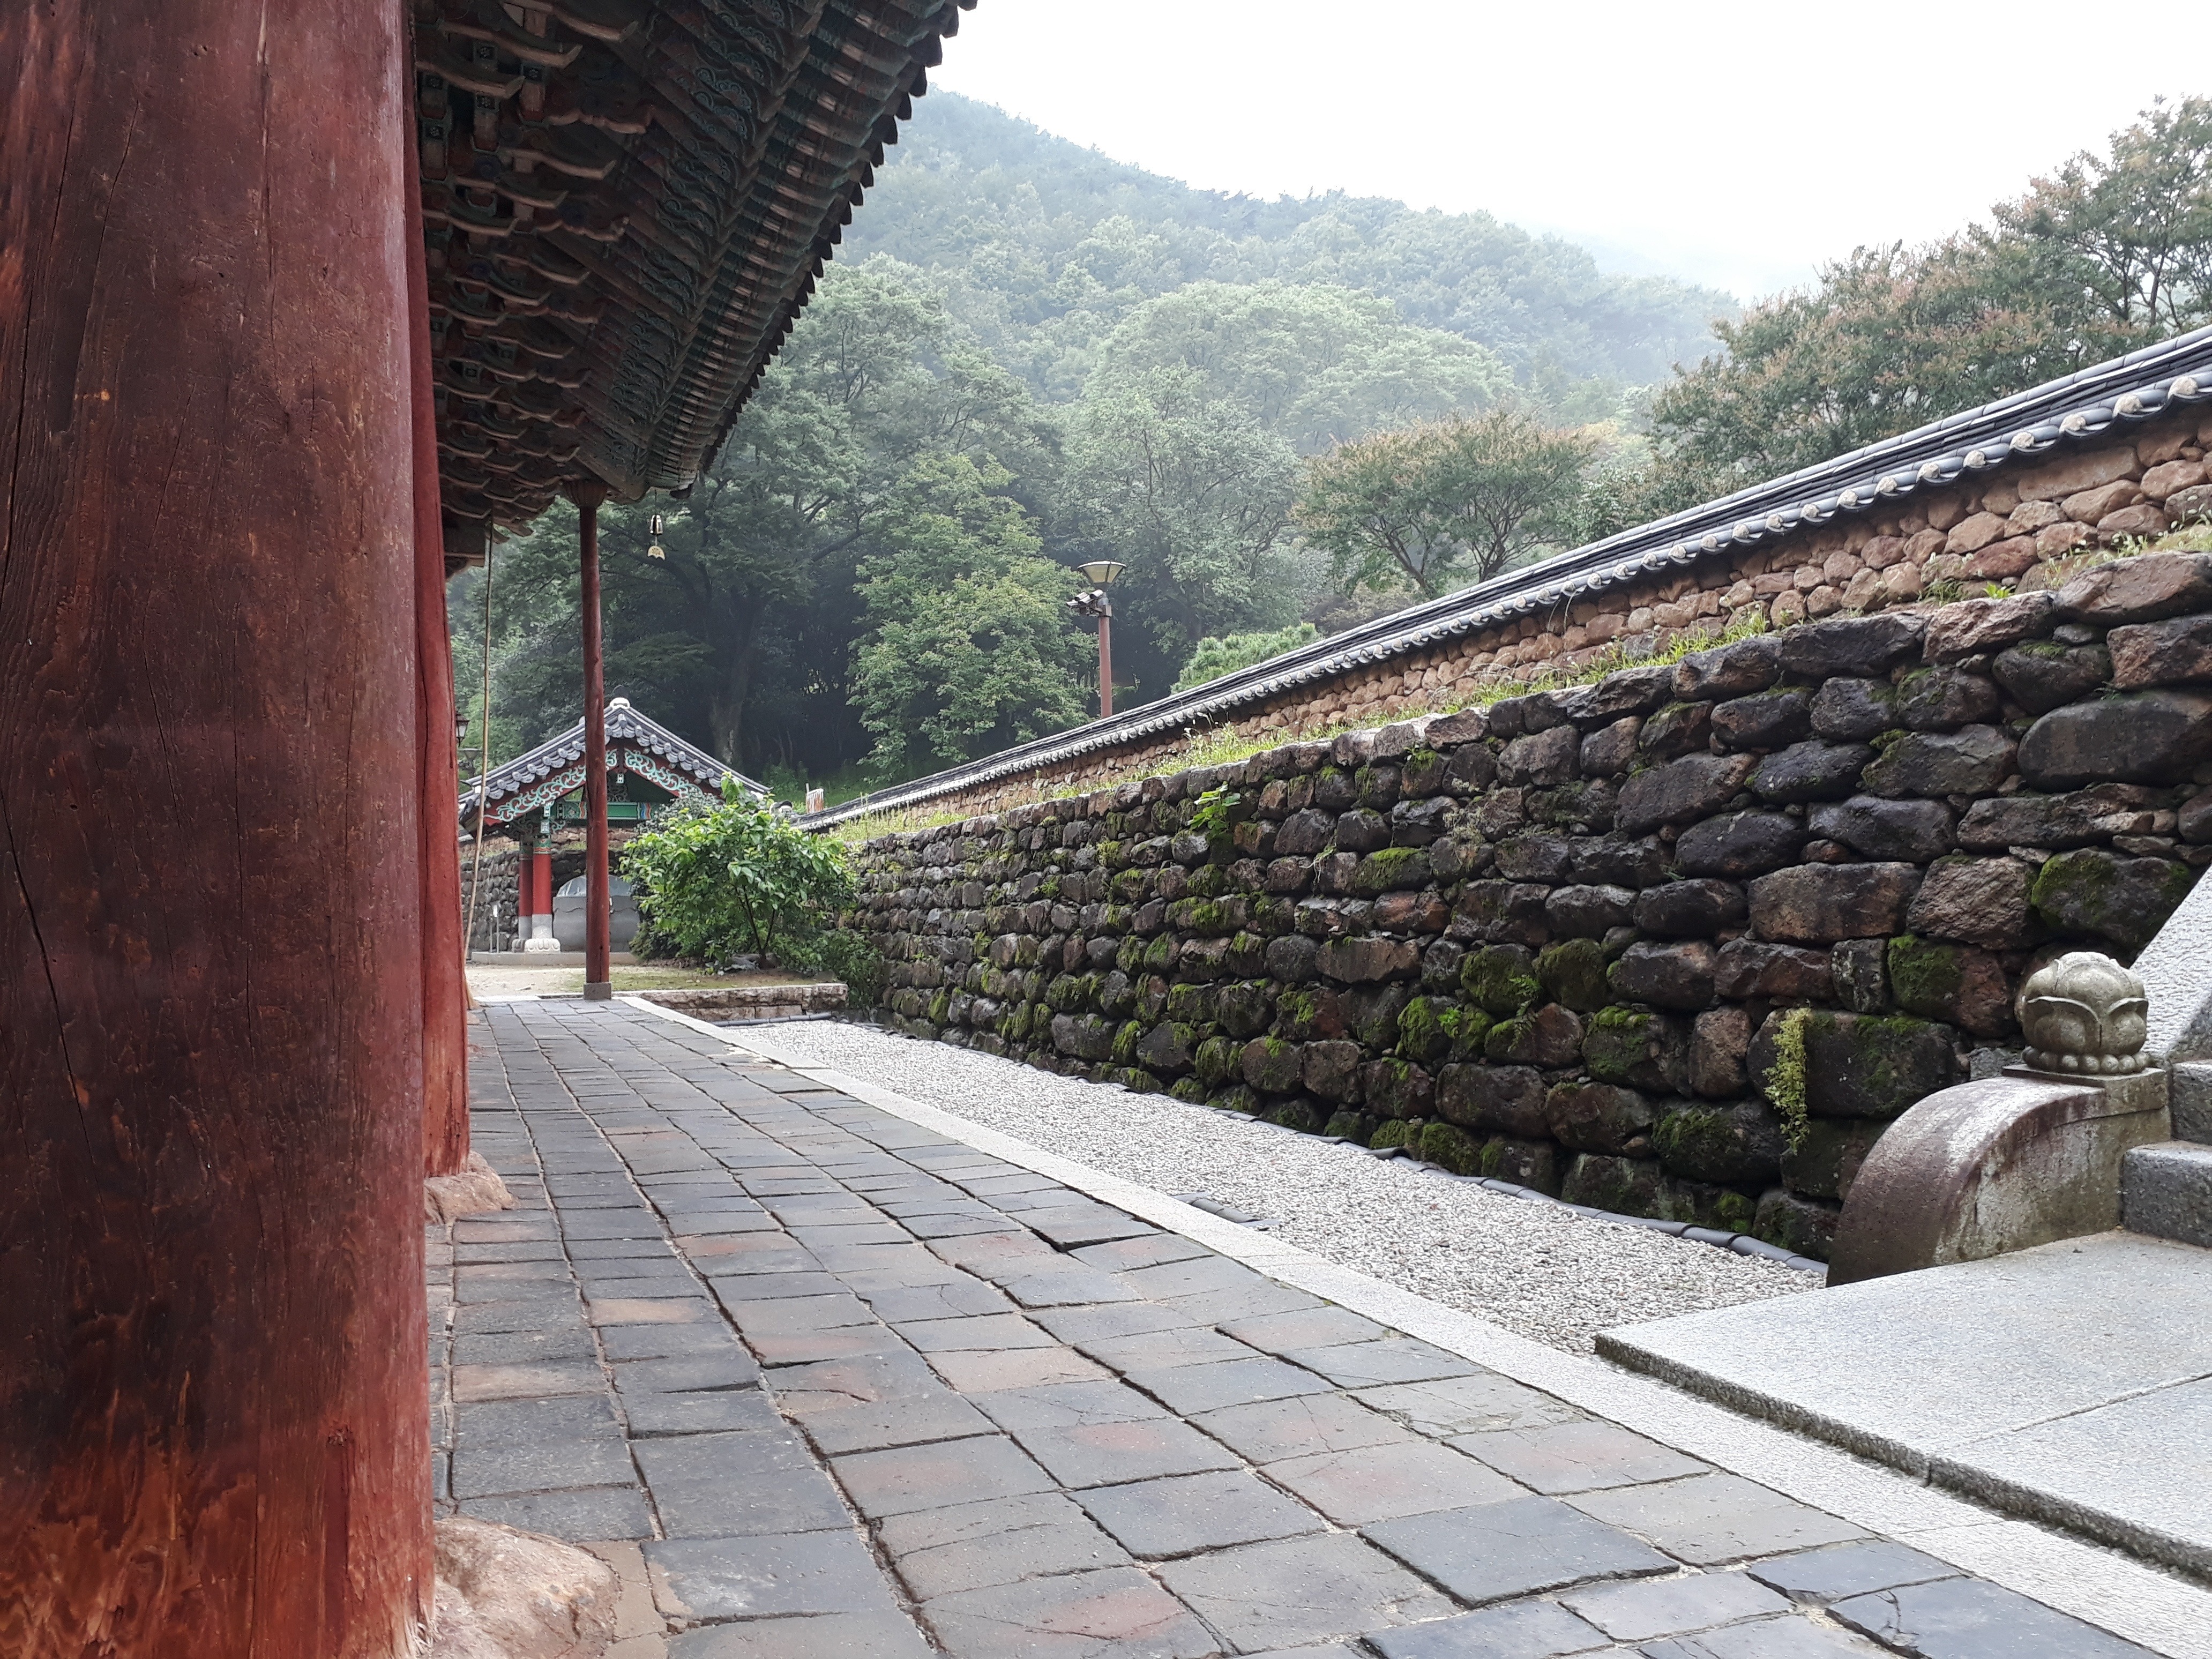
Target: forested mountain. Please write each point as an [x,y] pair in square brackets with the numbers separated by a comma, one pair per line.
[1026,355]
[1046,245]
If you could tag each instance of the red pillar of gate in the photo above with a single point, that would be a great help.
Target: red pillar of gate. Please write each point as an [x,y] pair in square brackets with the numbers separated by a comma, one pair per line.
[212,1369]
[445,997]
[597,985]
[541,883]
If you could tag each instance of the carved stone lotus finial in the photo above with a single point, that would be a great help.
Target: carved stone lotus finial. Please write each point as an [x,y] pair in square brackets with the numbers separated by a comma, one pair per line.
[2084,1014]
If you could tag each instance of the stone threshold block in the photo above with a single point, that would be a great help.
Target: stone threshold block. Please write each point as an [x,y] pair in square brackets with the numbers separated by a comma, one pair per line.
[2166,1191]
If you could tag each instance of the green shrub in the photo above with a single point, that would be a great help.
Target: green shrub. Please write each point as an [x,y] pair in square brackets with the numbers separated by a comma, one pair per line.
[845,955]
[737,878]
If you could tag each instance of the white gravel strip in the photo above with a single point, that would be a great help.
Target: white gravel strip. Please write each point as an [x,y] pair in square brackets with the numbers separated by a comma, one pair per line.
[1534,1268]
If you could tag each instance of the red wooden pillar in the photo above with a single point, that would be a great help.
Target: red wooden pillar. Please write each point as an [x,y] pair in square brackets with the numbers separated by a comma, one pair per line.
[212,1375]
[597,984]
[541,884]
[444,996]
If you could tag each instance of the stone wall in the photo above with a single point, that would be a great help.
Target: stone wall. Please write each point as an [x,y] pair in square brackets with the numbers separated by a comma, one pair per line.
[500,862]
[2024,530]
[1562,939]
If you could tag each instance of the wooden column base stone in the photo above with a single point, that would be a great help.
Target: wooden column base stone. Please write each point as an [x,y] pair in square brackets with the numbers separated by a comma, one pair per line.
[475,1190]
[502,1594]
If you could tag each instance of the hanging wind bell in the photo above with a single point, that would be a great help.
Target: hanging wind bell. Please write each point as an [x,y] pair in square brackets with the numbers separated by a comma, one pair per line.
[656,551]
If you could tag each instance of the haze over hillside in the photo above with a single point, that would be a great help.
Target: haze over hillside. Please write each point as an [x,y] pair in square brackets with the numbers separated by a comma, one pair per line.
[1046,245]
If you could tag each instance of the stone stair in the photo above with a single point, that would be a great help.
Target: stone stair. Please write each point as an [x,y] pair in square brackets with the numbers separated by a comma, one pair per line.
[2166,1187]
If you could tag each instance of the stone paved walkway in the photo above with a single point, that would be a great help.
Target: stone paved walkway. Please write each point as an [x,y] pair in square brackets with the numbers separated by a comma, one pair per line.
[824,1384]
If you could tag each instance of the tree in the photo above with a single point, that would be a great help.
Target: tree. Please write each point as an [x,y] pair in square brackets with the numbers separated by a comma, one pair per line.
[2126,238]
[1317,364]
[967,648]
[1193,495]
[1045,247]
[1214,658]
[2107,254]
[1891,337]
[1444,503]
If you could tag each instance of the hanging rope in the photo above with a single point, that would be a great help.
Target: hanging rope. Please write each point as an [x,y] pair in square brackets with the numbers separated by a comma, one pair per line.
[483,757]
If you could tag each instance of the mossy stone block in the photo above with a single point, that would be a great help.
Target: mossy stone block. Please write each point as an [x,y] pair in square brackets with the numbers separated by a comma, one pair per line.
[1864,1066]
[1805,1225]
[1704,1204]
[1500,979]
[1625,1186]
[1271,1065]
[2124,900]
[1450,1147]
[1636,1047]
[1468,1029]
[1532,1164]
[1397,1088]
[1394,869]
[1422,1037]
[1300,1115]
[1192,1004]
[1216,1060]
[1738,1144]
[1573,971]
[1825,1161]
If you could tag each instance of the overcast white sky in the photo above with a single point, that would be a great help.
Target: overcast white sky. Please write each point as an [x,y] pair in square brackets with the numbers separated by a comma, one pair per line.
[1734,143]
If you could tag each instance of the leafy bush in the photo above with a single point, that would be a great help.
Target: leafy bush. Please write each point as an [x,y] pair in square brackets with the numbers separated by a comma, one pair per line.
[737,878]
[846,956]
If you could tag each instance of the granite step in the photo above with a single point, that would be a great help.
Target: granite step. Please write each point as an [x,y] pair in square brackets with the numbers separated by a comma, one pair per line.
[2166,1191]
[2189,1091]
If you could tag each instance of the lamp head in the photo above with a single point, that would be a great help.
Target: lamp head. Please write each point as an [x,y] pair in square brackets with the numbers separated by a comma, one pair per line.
[1102,572]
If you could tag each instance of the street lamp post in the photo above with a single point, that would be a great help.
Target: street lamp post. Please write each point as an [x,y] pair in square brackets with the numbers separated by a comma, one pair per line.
[1093,602]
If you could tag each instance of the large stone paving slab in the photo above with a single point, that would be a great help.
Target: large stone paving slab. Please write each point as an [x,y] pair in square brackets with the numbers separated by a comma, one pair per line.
[841,1386]
[2067,1383]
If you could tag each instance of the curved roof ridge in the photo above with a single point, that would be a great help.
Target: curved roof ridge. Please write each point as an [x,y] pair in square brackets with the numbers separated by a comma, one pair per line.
[2026,426]
[625,723]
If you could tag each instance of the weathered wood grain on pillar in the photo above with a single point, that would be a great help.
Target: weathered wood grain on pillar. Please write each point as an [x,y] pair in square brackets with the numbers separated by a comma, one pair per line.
[212,1434]
[444,1006]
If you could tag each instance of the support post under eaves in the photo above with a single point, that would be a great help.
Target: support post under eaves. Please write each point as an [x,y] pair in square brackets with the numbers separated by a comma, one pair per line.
[445,993]
[597,981]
